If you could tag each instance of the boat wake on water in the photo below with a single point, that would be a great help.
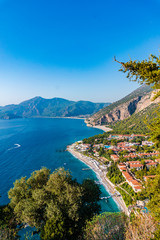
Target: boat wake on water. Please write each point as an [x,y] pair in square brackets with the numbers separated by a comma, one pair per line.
[16,145]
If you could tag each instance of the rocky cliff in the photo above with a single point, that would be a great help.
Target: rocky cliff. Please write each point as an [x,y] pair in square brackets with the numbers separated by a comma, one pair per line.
[125,108]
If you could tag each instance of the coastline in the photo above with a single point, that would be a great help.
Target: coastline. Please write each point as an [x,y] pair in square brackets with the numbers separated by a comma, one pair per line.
[109,186]
[82,118]
[101,127]
[105,129]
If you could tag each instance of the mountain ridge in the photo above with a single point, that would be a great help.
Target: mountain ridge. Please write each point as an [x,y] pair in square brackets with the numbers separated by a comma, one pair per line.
[54,107]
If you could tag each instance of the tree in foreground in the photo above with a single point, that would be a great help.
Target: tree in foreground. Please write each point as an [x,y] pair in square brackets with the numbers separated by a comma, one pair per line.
[7,224]
[54,203]
[110,226]
[146,72]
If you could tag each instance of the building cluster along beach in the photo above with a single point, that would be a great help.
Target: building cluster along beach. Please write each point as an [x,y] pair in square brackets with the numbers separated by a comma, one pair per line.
[100,171]
[123,163]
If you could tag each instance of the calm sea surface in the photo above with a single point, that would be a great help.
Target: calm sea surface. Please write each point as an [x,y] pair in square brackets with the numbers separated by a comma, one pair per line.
[29,144]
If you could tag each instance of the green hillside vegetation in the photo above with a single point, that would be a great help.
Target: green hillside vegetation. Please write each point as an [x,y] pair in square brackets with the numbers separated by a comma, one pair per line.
[127,198]
[137,123]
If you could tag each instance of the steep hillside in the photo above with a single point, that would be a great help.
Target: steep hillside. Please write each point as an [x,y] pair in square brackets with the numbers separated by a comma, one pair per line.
[55,107]
[137,123]
[124,108]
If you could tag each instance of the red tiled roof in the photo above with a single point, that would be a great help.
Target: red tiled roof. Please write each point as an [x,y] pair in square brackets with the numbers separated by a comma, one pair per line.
[151,163]
[133,162]
[136,165]
[121,143]
[114,156]
[138,187]
[114,149]
[148,161]
[130,156]
[127,175]
[138,135]
[122,164]
[135,182]
[147,154]
[122,167]
[150,176]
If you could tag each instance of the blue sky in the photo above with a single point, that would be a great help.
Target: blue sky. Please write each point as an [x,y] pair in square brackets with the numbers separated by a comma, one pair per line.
[59,48]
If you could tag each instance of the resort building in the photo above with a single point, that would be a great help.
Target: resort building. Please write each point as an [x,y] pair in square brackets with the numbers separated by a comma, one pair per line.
[146,178]
[122,167]
[114,157]
[137,166]
[141,155]
[151,164]
[147,143]
[137,186]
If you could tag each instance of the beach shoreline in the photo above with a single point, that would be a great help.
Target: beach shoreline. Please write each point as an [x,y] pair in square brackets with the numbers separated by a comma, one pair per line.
[101,127]
[101,175]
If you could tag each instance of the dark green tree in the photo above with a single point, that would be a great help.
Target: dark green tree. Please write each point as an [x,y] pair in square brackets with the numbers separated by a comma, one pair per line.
[57,205]
[146,72]
[101,151]
[8,224]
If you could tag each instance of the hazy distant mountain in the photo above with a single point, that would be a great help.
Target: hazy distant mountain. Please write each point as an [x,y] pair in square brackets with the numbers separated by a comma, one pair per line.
[55,107]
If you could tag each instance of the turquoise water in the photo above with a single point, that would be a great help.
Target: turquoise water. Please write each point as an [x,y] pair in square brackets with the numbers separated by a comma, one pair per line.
[29,144]
[106,146]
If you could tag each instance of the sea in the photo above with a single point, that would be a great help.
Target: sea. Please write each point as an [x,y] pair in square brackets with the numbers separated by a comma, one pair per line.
[27,145]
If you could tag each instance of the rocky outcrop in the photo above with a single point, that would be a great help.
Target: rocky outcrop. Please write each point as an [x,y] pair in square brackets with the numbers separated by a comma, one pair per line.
[146,101]
[124,110]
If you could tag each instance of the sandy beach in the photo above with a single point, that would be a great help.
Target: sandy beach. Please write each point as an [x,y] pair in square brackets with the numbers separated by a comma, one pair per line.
[105,129]
[102,127]
[101,174]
